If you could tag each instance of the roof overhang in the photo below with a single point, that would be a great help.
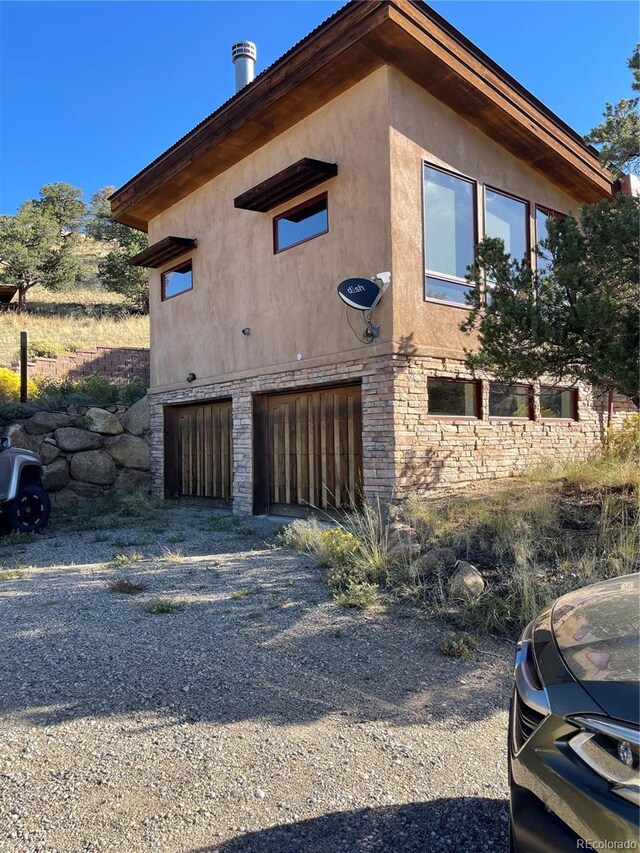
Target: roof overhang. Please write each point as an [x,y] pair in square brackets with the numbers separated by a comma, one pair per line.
[285,185]
[350,45]
[7,292]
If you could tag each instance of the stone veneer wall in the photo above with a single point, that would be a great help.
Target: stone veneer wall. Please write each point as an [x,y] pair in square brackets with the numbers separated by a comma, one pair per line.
[405,450]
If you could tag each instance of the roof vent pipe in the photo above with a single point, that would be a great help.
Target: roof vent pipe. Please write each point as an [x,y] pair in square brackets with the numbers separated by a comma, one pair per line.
[244,55]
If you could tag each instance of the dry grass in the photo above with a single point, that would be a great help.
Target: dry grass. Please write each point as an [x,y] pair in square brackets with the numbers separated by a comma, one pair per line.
[127,587]
[65,322]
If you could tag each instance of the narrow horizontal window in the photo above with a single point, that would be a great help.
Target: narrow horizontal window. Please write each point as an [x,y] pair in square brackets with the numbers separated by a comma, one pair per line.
[510,401]
[543,215]
[449,234]
[177,280]
[301,223]
[454,398]
[507,218]
[559,403]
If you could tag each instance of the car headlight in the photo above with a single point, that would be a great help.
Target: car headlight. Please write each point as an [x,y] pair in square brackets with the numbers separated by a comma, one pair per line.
[612,750]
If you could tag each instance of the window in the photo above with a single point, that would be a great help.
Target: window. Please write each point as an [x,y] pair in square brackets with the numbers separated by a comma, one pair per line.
[449,234]
[559,403]
[177,280]
[301,223]
[542,215]
[510,401]
[454,398]
[508,219]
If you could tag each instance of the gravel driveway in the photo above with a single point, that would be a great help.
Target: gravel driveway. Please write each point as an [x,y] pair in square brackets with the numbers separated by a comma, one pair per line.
[258,716]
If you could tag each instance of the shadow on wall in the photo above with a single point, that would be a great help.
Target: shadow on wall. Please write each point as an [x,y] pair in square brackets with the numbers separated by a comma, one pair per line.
[446,825]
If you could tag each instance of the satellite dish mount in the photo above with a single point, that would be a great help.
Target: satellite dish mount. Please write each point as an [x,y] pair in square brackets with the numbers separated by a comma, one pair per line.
[364,294]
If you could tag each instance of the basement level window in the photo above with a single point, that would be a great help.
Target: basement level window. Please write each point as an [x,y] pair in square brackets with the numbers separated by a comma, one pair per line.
[559,403]
[304,222]
[510,401]
[456,398]
[177,280]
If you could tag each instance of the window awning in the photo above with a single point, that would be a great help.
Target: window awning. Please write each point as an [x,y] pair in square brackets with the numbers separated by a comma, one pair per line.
[287,184]
[163,251]
[7,292]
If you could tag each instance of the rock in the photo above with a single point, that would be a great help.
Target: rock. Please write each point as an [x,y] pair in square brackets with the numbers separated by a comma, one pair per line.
[130,478]
[401,533]
[129,451]
[56,475]
[93,466]
[435,560]
[403,551]
[64,500]
[48,452]
[466,583]
[19,438]
[86,490]
[72,439]
[394,512]
[99,420]
[43,422]
[136,419]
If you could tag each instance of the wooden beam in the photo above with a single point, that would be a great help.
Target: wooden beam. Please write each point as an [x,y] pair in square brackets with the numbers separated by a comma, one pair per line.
[287,184]
[163,252]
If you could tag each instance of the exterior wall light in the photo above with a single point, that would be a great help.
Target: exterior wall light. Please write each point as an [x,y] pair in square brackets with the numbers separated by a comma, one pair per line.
[191,377]
[246,330]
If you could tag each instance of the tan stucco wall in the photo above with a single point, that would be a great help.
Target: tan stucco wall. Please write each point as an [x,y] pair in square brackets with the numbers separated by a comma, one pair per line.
[288,300]
[424,129]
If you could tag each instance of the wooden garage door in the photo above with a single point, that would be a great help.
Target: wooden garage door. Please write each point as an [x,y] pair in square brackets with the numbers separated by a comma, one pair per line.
[199,452]
[314,450]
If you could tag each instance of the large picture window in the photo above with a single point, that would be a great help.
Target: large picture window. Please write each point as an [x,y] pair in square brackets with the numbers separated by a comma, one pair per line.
[510,401]
[454,398]
[449,234]
[543,214]
[301,223]
[507,218]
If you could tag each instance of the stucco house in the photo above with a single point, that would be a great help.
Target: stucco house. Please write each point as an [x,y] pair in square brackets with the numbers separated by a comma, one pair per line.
[384,141]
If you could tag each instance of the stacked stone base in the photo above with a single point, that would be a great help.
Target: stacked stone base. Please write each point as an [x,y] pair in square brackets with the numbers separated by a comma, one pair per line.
[405,450]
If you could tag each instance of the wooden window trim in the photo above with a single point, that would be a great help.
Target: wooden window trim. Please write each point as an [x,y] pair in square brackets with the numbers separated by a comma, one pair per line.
[177,268]
[524,201]
[575,414]
[308,203]
[430,273]
[530,404]
[477,399]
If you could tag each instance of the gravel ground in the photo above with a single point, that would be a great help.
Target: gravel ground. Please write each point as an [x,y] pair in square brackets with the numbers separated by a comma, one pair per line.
[259,717]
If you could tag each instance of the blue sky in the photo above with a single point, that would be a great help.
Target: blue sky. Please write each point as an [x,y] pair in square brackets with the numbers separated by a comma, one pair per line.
[91,92]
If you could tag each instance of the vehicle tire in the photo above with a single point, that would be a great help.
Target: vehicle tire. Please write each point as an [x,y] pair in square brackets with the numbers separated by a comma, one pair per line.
[30,509]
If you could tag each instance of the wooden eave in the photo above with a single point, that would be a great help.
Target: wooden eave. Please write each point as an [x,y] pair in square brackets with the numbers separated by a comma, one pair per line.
[163,252]
[285,185]
[354,42]
[7,292]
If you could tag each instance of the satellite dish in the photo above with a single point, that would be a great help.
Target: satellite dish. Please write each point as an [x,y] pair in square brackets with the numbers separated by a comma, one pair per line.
[359,293]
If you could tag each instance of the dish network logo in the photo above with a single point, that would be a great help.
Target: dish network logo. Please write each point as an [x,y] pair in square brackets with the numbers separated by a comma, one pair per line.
[357,288]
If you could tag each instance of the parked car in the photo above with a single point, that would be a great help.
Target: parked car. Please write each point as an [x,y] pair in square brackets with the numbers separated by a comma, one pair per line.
[574,736]
[24,503]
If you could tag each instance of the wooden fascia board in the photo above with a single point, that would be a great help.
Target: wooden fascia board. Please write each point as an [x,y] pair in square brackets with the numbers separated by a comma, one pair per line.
[252,106]
[493,89]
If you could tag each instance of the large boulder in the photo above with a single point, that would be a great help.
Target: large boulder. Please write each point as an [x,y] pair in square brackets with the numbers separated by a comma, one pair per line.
[86,490]
[436,560]
[93,466]
[403,552]
[64,500]
[48,451]
[466,583]
[136,419]
[129,451]
[19,438]
[99,420]
[56,475]
[131,479]
[72,439]
[43,422]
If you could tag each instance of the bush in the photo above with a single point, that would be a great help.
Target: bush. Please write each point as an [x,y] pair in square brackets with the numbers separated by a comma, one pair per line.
[44,348]
[357,595]
[10,385]
[457,645]
[624,442]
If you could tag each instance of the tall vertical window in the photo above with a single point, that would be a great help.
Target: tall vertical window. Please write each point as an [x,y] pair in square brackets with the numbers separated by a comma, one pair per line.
[449,234]
[507,218]
[543,214]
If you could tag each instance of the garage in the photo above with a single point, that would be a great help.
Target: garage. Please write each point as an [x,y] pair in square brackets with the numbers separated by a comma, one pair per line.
[199,453]
[308,451]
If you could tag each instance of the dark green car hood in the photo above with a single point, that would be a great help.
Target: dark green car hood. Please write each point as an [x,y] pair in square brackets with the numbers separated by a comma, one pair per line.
[597,631]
